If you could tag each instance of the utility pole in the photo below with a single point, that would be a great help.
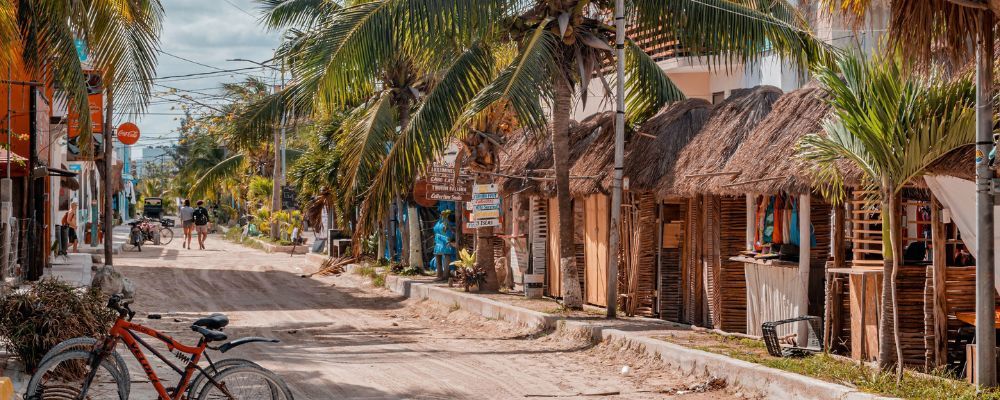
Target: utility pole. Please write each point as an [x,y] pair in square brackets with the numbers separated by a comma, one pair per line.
[108,146]
[284,177]
[278,171]
[616,184]
[986,374]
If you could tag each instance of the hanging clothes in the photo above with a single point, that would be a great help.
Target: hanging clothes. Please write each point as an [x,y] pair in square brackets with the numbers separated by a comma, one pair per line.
[778,235]
[769,222]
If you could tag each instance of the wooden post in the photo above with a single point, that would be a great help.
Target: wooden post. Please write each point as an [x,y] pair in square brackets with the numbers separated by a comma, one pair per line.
[985,365]
[939,240]
[804,251]
[751,220]
[838,236]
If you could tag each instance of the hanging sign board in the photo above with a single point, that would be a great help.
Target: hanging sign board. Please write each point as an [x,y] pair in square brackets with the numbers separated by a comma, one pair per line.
[443,179]
[128,133]
[95,101]
[485,206]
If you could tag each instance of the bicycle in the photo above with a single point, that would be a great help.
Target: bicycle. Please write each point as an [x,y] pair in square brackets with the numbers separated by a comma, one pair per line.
[98,374]
[144,230]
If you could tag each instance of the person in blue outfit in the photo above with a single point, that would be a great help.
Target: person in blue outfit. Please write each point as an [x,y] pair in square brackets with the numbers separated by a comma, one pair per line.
[444,245]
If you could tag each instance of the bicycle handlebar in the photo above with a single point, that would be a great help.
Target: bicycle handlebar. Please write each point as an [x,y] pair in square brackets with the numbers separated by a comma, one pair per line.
[121,305]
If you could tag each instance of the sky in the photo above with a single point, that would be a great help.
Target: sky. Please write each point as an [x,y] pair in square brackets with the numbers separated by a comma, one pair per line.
[209,32]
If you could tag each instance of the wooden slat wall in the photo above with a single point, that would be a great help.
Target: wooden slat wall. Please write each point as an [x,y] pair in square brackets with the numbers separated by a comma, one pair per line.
[712,258]
[637,275]
[691,269]
[732,279]
[538,223]
[960,289]
[671,281]
[911,280]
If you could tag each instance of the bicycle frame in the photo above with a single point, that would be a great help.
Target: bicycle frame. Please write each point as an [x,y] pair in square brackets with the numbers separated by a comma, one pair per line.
[125,331]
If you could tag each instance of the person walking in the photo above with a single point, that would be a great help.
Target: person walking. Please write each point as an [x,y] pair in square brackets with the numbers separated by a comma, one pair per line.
[187,221]
[69,221]
[201,222]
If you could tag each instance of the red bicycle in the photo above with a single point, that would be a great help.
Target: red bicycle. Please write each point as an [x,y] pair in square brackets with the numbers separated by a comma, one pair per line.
[94,373]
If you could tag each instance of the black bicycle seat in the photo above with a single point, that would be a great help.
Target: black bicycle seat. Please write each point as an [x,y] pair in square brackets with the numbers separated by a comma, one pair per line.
[209,334]
[214,321]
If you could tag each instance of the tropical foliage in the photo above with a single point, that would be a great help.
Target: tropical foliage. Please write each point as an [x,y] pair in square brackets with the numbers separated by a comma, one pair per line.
[530,57]
[119,37]
[890,126]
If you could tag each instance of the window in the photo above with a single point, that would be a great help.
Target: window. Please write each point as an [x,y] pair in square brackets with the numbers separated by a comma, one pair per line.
[717,97]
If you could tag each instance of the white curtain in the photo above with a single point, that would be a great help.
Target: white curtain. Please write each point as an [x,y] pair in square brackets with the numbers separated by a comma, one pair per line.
[959,197]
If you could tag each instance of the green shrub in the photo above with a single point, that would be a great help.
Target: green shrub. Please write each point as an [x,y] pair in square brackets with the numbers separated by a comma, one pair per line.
[50,311]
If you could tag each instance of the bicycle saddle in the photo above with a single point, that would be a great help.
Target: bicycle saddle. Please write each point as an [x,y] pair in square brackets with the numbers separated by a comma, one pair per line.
[214,321]
[210,335]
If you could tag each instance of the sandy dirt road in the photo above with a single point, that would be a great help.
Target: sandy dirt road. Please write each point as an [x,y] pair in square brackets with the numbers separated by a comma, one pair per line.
[342,339]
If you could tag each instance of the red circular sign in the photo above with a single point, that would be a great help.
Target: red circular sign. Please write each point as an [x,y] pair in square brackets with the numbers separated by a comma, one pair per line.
[128,133]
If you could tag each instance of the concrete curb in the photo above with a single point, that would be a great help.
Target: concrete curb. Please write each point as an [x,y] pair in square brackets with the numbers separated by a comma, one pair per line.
[769,382]
[485,307]
[273,248]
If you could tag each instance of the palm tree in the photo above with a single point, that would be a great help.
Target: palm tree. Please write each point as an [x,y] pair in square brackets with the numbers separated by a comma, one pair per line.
[891,126]
[121,38]
[532,56]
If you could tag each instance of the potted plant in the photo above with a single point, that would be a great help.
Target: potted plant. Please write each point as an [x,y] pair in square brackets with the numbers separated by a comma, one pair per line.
[466,272]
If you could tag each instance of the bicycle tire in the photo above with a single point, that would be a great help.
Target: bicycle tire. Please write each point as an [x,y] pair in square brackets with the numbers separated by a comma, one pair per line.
[229,378]
[110,385]
[201,379]
[166,236]
[87,343]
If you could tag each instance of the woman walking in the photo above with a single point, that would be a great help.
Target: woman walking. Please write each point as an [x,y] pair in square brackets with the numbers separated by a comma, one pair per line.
[187,220]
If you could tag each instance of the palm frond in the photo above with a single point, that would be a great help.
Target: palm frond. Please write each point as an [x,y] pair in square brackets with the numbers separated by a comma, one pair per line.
[216,174]
[364,141]
[430,130]
[647,87]
[280,14]
[525,83]
[730,32]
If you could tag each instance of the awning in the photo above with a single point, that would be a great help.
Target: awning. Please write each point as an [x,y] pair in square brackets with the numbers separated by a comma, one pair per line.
[959,199]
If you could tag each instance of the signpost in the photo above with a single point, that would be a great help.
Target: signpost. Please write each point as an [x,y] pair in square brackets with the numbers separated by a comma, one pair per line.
[485,206]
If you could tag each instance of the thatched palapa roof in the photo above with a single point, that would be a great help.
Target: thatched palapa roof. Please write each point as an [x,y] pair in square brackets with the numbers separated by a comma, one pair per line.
[529,155]
[649,153]
[727,126]
[767,160]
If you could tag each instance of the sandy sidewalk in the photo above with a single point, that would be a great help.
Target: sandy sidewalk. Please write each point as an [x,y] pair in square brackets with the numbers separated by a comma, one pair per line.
[344,339]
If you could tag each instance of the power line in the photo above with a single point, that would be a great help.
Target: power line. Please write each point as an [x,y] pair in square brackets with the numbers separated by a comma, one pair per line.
[241,9]
[203,64]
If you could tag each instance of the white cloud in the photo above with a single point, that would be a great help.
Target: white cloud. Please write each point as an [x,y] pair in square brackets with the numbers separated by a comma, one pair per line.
[209,32]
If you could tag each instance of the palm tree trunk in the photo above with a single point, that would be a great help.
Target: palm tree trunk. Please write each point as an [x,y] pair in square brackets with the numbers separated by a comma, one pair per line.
[885,322]
[894,230]
[416,244]
[403,108]
[572,297]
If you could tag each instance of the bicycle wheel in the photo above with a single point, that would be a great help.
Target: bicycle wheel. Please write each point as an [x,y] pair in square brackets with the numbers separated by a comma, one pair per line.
[87,343]
[62,378]
[201,379]
[245,382]
[166,235]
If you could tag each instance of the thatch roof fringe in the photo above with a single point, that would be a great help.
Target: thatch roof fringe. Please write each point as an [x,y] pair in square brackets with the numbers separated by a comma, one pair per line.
[767,159]
[727,126]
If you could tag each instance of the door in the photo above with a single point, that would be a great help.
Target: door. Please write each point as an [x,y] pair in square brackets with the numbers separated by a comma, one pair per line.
[596,235]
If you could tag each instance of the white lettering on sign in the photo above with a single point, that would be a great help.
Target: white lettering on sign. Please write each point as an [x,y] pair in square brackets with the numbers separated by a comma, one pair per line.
[480,196]
[482,223]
